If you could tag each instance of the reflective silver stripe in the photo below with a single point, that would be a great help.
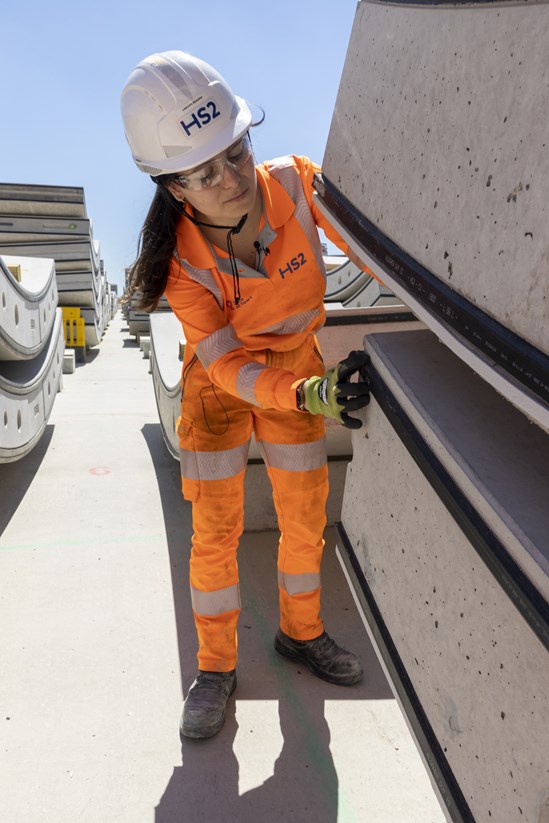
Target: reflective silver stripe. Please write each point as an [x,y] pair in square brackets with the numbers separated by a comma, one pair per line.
[293,325]
[223,264]
[246,380]
[202,276]
[294,457]
[215,345]
[299,583]
[213,465]
[218,602]
[285,172]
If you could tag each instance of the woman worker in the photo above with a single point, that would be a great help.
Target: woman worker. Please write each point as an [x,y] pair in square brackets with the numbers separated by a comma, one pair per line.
[235,249]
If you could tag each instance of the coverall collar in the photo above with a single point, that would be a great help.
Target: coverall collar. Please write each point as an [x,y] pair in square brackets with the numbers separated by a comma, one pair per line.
[278,207]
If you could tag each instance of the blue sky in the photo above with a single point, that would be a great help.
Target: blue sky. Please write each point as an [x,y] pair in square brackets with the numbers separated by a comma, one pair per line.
[64,66]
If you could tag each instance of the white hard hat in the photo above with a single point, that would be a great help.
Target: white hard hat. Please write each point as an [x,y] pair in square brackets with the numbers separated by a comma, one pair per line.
[179,112]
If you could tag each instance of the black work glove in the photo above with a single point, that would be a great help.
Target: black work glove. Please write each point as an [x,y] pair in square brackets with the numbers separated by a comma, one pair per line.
[333,394]
[353,396]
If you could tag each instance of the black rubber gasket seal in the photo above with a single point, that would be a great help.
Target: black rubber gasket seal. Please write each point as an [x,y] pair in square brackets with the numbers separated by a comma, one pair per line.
[357,320]
[523,362]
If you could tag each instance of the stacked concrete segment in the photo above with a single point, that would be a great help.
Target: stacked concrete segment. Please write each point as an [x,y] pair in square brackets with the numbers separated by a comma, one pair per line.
[137,318]
[31,352]
[51,221]
[166,356]
[437,173]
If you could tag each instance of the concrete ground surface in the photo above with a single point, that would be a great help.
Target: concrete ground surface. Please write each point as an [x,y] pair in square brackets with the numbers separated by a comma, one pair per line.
[98,645]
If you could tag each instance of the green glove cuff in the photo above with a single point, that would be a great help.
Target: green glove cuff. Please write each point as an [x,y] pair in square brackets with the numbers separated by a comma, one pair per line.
[321,395]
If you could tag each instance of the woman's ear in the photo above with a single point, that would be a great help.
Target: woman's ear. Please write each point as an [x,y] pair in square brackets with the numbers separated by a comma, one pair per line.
[175,191]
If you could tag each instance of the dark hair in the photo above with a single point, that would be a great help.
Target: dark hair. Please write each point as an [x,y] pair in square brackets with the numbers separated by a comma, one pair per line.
[149,271]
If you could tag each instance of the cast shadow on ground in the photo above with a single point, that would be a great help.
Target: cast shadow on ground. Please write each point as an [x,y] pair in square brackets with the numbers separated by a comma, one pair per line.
[90,356]
[302,785]
[16,477]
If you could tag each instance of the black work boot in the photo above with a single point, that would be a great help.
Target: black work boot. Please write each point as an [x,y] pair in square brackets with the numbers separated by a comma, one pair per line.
[323,656]
[204,709]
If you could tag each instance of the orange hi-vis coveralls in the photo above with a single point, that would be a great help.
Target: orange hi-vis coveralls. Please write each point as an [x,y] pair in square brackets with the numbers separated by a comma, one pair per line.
[241,368]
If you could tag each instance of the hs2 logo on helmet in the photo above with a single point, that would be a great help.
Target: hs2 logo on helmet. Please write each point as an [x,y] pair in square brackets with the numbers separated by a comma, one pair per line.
[201,117]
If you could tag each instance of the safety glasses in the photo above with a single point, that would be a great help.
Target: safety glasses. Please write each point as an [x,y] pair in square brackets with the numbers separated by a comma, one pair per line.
[211,173]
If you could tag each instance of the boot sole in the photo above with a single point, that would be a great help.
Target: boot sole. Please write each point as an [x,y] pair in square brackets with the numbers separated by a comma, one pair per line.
[344,680]
[212,731]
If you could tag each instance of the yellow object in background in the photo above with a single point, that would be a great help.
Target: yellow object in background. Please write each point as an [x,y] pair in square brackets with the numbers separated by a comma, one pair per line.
[15,269]
[74,329]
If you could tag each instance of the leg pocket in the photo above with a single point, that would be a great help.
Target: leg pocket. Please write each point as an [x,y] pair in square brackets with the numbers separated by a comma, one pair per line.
[190,478]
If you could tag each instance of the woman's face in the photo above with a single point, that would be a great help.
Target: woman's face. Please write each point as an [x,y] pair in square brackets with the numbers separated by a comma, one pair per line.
[226,202]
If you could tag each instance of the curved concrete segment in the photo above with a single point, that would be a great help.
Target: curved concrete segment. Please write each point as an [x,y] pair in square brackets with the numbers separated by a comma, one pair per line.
[343,281]
[167,345]
[27,394]
[445,511]
[439,140]
[354,288]
[27,306]
[166,340]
